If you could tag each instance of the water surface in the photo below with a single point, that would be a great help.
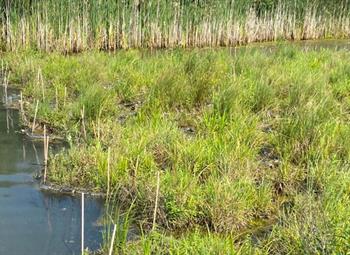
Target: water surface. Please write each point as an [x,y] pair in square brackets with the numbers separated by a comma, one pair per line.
[33,222]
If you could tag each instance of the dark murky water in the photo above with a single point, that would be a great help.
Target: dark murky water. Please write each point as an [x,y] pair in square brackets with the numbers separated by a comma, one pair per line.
[33,222]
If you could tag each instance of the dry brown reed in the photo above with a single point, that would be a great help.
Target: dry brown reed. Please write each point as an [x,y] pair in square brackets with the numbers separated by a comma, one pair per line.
[135,28]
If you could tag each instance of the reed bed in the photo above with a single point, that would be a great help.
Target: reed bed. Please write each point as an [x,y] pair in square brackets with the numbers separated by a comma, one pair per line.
[73,26]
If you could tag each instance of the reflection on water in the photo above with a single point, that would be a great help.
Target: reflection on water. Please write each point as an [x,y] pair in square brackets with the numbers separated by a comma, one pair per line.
[33,222]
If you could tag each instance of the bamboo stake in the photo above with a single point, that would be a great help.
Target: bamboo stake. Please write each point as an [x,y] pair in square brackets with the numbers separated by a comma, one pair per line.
[41,81]
[82,223]
[112,241]
[83,121]
[6,81]
[156,202]
[36,112]
[7,121]
[46,152]
[24,152]
[21,105]
[108,171]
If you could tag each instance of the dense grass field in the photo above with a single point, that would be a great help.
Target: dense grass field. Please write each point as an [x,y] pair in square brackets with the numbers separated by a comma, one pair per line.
[240,151]
[73,26]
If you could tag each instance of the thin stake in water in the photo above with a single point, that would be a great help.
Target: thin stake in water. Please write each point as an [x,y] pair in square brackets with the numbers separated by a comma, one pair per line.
[108,171]
[6,82]
[21,105]
[46,152]
[36,112]
[112,241]
[82,223]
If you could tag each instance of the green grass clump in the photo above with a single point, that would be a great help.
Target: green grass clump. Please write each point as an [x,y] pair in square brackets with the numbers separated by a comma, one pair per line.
[251,147]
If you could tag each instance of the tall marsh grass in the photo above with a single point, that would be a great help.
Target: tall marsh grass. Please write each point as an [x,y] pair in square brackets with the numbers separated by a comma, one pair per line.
[72,26]
[245,153]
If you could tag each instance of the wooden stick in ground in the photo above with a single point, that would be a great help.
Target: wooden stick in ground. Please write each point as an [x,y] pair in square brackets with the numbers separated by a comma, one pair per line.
[7,121]
[41,82]
[156,202]
[112,241]
[6,82]
[108,171]
[83,121]
[82,223]
[36,112]
[46,153]
[21,104]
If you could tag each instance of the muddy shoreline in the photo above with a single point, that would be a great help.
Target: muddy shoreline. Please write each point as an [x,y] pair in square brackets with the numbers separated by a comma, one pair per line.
[66,190]
[38,177]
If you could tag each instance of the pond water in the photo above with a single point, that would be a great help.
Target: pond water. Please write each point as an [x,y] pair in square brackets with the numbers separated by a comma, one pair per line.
[33,222]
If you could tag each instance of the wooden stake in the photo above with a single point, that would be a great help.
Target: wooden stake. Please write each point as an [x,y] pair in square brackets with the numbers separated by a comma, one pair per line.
[82,223]
[156,202]
[36,111]
[6,81]
[108,171]
[83,122]
[112,241]
[46,152]
[41,81]
[21,104]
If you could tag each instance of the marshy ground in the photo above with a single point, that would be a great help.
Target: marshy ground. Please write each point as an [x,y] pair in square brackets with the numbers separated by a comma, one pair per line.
[251,146]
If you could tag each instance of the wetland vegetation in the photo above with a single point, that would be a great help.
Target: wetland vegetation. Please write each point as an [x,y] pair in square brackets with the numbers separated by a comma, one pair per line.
[245,151]
[200,149]
[73,26]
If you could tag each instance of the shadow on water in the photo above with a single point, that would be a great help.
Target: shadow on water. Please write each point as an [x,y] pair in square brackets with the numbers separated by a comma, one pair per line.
[33,222]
